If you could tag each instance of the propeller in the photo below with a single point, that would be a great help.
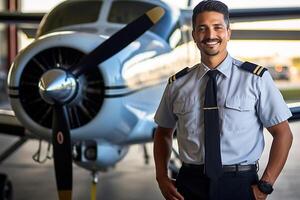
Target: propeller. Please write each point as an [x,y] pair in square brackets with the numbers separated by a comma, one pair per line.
[62,152]
[118,41]
[59,86]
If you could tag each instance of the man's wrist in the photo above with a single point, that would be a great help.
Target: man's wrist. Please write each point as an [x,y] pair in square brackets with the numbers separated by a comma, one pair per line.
[161,177]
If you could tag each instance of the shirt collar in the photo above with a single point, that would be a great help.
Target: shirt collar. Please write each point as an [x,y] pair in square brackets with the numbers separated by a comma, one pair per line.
[203,69]
[224,67]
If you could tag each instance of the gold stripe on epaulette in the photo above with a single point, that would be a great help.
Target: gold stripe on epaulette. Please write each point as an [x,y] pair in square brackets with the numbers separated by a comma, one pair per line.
[260,70]
[256,69]
[174,77]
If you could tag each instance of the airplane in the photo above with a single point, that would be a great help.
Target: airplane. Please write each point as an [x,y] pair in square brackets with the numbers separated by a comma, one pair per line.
[90,83]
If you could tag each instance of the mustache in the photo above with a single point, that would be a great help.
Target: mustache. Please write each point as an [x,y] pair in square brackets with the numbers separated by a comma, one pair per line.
[211,40]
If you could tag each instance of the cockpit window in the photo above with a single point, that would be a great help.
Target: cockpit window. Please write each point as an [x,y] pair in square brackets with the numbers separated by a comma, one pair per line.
[70,13]
[124,12]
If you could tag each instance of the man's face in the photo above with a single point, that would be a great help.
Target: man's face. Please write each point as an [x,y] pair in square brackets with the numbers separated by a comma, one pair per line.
[211,34]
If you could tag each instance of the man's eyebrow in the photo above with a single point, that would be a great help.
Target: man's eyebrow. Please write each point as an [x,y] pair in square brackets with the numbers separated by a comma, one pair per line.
[201,25]
[218,24]
[204,25]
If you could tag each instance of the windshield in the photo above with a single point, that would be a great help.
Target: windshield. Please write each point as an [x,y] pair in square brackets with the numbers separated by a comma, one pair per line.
[70,13]
[124,12]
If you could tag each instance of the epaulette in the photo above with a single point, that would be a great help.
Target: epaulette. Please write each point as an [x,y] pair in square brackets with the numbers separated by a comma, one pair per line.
[253,68]
[179,74]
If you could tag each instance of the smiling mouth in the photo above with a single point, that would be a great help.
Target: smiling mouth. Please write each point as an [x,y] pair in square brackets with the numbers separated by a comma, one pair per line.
[211,42]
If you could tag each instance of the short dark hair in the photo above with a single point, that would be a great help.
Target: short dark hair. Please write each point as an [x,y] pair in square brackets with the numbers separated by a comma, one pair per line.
[211,5]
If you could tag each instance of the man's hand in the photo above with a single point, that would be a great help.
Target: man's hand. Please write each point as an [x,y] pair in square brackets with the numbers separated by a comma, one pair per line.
[168,189]
[258,194]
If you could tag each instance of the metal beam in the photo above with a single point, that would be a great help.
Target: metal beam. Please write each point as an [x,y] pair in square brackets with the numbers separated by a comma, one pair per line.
[258,14]
[265,35]
[20,18]
[12,38]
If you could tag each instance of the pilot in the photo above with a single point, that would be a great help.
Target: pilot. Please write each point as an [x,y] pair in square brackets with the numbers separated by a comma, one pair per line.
[219,108]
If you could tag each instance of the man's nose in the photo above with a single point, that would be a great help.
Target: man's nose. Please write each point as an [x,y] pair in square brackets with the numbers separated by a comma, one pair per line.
[210,33]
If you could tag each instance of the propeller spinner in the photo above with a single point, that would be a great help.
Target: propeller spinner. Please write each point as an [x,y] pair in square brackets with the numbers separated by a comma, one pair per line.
[57,86]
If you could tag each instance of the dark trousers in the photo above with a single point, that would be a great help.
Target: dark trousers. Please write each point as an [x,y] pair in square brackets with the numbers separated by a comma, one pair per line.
[194,185]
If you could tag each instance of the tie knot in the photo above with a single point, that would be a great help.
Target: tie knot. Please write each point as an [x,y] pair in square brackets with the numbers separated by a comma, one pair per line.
[212,73]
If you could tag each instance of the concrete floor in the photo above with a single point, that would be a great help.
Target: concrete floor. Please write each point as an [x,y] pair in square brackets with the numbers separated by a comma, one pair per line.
[130,180]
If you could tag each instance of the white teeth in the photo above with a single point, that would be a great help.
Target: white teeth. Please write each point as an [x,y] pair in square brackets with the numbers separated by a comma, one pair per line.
[211,43]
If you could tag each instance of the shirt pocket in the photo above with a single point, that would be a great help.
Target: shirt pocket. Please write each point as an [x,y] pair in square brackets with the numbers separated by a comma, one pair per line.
[186,112]
[238,113]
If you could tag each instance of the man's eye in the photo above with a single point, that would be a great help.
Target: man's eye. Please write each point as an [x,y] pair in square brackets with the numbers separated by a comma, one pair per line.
[201,29]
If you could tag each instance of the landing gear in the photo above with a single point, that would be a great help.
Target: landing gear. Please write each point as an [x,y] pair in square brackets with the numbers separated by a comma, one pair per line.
[146,154]
[6,190]
[94,184]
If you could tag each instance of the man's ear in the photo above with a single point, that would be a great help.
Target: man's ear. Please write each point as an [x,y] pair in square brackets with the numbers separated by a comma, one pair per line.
[193,35]
[229,33]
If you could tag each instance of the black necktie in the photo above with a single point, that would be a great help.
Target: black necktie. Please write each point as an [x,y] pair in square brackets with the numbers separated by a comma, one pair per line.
[213,163]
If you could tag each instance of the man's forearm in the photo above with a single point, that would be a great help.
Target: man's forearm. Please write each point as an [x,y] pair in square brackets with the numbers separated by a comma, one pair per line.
[162,151]
[278,154]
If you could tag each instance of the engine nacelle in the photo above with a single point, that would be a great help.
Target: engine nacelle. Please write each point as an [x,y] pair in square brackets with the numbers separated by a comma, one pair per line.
[98,156]
[93,110]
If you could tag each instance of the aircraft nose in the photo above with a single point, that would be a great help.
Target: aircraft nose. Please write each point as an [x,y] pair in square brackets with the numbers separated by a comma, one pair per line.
[57,86]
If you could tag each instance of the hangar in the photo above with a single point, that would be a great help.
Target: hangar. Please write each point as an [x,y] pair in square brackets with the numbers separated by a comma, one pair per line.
[78,84]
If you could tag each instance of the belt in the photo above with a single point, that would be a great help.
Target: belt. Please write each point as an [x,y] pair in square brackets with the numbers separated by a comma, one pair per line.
[226,168]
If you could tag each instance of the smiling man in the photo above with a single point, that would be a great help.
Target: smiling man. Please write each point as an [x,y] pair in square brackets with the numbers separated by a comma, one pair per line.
[219,108]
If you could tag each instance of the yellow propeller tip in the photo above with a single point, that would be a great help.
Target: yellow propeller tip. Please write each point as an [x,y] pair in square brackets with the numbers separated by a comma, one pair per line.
[155,14]
[65,195]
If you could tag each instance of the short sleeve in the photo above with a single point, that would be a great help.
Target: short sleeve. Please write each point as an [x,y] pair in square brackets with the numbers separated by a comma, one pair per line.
[164,115]
[271,106]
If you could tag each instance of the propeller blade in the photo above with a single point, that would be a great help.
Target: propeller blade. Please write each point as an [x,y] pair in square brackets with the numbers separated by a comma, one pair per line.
[118,41]
[62,152]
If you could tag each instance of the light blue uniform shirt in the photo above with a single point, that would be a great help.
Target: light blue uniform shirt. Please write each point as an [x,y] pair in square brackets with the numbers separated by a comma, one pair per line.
[246,102]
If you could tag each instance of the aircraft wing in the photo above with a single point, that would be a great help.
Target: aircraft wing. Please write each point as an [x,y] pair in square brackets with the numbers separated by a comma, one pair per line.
[295,109]
[143,131]
[9,125]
